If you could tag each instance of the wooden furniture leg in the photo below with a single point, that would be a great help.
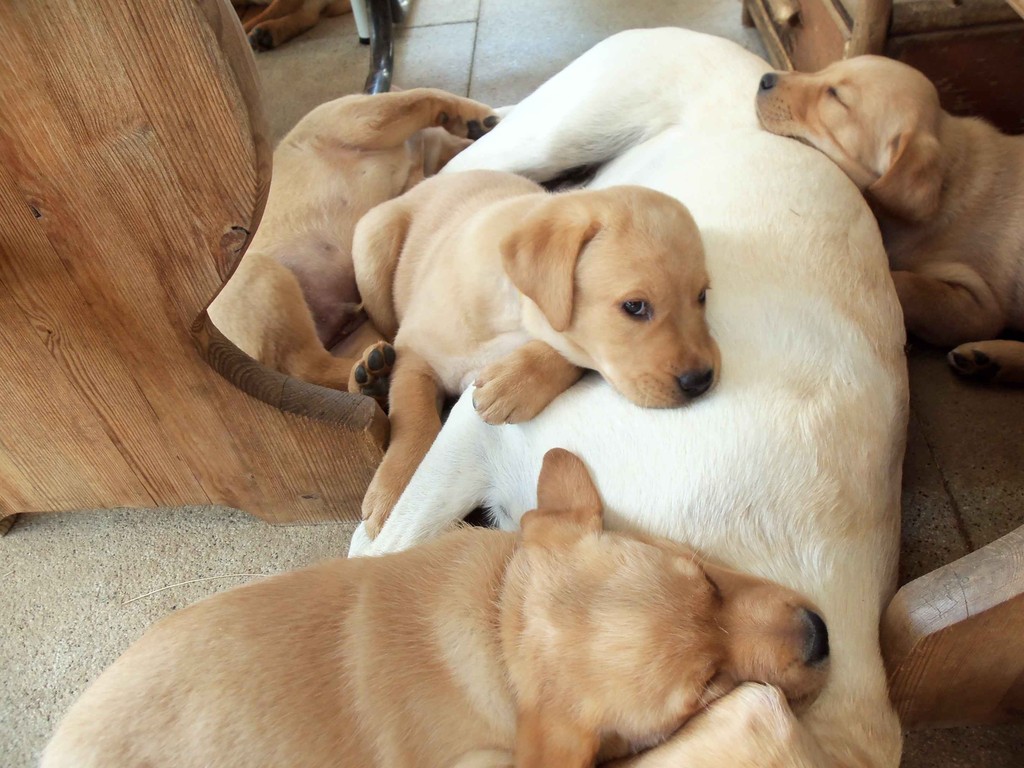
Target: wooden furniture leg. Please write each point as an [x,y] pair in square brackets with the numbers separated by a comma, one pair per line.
[953,640]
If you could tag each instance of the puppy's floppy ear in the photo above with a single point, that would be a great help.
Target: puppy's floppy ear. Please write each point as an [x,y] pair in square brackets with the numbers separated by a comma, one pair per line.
[568,504]
[911,187]
[540,255]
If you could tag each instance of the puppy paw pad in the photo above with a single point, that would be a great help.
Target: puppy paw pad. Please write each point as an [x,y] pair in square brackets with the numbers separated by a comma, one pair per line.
[372,372]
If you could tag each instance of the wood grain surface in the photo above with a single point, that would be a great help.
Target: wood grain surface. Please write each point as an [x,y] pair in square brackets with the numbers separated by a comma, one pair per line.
[133,171]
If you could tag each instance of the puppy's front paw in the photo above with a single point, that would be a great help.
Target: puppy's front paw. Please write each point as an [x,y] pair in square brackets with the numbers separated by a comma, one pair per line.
[261,39]
[504,395]
[972,363]
[377,505]
[371,375]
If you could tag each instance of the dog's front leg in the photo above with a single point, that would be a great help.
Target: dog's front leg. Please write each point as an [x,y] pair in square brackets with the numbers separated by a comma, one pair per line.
[451,481]
[752,727]
[523,383]
[415,398]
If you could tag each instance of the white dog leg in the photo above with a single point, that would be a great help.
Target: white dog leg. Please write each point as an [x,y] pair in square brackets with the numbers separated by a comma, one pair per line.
[449,483]
[595,109]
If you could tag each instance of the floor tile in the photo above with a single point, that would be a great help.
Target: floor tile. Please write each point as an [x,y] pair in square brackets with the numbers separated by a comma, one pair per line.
[79,588]
[323,64]
[424,13]
[977,437]
[997,747]
[931,532]
[328,62]
[435,57]
[521,43]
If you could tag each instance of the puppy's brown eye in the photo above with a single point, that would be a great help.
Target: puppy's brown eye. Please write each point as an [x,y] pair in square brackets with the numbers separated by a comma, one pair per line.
[702,296]
[637,308]
[833,93]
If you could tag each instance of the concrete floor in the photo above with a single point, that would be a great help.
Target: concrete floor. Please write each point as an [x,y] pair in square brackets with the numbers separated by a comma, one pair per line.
[78,588]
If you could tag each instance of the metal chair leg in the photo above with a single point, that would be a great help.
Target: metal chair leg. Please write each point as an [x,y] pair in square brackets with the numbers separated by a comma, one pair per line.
[382,47]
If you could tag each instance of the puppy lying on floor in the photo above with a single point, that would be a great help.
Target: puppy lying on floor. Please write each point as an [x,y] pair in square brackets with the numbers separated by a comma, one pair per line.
[558,644]
[948,192]
[484,277]
[293,295]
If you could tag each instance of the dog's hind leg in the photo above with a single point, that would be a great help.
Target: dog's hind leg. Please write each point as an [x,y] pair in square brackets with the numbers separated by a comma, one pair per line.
[948,304]
[388,120]
[1000,361]
[621,92]
[451,481]
[415,414]
[376,247]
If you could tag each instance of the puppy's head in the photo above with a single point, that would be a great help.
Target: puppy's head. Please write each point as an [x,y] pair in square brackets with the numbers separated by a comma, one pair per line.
[619,273]
[627,637]
[876,118]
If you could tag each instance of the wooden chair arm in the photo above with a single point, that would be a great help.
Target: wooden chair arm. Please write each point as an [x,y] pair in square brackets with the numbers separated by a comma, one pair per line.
[953,640]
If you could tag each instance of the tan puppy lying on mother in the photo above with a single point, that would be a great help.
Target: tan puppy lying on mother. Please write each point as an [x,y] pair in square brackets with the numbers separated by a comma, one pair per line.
[558,644]
[484,277]
[948,192]
[293,295]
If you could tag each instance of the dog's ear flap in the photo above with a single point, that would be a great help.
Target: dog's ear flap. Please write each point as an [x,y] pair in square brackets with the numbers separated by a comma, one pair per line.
[568,504]
[540,255]
[910,189]
[545,738]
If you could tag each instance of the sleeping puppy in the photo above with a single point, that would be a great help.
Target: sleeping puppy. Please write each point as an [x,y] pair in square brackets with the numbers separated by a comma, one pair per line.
[560,645]
[485,278]
[948,192]
[293,295]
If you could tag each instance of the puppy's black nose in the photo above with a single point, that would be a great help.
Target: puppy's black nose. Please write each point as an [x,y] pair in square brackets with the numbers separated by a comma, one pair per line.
[697,381]
[768,81]
[816,649]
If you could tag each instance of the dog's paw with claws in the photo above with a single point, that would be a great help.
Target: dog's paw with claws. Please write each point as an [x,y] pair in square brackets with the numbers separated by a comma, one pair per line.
[506,394]
[378,502]
[972,363]
[371,375]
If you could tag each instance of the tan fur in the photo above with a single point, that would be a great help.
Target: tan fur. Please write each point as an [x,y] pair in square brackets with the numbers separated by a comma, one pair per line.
[294,293]
[948,192]
[456,652]
[483,277]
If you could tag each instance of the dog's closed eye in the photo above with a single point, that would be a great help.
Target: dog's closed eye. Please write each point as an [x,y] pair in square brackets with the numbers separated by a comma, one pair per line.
[834,93]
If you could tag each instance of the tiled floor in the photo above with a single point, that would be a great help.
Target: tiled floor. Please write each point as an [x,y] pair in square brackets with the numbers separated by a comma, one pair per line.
[75,585]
